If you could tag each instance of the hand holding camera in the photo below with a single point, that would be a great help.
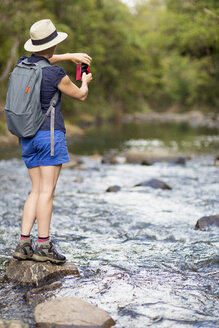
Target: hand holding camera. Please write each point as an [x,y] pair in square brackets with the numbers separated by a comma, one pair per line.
[86,77]
[81,69]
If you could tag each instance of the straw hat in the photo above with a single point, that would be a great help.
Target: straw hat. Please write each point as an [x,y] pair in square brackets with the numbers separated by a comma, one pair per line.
[43,35]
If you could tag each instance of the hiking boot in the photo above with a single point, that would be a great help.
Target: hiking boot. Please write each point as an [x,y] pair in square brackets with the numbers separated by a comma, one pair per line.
[24,250]
[45,251]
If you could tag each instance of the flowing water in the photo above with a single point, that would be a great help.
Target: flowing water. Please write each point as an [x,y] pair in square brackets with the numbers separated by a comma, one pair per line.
[137,251]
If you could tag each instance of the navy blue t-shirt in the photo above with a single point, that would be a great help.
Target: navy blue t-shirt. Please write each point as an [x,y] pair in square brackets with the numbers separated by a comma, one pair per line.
[51,76]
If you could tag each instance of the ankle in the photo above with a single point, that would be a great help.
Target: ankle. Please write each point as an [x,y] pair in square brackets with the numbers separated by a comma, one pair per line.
[43,239]
[23,237]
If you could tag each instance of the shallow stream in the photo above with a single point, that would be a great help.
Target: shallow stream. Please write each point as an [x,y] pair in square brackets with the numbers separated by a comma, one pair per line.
[137,251]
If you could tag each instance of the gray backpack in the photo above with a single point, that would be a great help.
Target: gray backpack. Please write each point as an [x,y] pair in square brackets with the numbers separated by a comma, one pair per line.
[23,108]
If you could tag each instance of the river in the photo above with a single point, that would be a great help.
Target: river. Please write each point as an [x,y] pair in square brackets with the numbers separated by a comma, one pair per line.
[137,251]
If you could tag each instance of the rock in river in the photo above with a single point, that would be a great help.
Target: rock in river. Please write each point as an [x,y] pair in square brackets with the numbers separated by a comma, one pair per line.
[42,294]
[113,189]
[109,159]
[37,273]
[75,162]
[71,312]
[206,221]
[154,183]
[135,157]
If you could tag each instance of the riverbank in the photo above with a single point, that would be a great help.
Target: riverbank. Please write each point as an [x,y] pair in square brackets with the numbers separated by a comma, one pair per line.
[8,140]
[194,119]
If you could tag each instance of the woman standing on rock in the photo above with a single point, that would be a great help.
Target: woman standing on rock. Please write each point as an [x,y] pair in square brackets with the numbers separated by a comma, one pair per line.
[43,168]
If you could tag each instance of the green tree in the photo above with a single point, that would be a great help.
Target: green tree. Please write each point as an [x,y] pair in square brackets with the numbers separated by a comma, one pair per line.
[163,53]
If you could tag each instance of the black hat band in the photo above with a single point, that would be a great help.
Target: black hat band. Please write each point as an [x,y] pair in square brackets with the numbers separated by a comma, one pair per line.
[45,40]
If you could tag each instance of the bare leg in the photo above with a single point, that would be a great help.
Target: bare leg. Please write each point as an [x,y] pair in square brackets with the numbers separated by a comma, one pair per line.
[39,205]
[48,179]
[29,211]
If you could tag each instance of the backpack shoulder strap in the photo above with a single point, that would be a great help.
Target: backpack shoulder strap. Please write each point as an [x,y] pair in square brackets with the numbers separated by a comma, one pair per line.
[43,63]
[51,109]
[25,63]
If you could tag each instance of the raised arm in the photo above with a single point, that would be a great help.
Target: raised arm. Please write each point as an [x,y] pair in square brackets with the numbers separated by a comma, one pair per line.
[77,58]
[70,89]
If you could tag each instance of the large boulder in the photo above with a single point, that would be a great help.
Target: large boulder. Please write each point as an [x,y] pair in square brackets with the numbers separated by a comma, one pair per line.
[206,221]
[71,312]
[32,273]
[12,324]
[42,294]
[154,183]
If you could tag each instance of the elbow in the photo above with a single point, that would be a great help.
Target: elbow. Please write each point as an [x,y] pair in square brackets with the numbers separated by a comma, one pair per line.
[83,96]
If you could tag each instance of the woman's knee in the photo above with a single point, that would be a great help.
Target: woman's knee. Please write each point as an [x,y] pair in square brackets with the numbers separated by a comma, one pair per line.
[47,192]
[35,192]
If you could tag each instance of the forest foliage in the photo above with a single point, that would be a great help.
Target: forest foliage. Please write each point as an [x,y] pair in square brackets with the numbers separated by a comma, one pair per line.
[159,55]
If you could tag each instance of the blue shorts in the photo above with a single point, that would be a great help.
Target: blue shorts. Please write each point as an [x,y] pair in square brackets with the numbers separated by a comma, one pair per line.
[36,150]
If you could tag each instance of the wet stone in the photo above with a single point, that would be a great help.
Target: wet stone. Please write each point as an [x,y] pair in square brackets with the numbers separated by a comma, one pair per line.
[147,162]
[71,312]
[134,157]
[12,324]
[75,162]
[206,221]
[180,160]
[30,273]
[42,294]
[113,189]
[154,183]
[109,159]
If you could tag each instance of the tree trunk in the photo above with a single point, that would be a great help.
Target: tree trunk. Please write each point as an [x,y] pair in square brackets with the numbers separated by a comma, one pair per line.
[10,60]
